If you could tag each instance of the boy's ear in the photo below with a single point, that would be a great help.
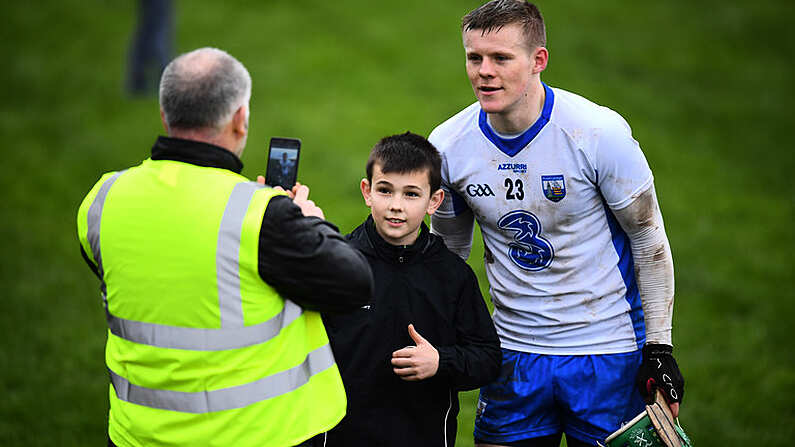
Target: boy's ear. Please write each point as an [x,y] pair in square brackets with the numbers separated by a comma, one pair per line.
[436,200]
[365,187]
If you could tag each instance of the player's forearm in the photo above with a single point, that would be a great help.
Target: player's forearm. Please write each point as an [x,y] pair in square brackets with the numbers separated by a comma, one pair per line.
[655,275]
[654,268]
[456,233]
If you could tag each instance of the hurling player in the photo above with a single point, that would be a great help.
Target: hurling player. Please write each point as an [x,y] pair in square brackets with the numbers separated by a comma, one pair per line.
[578,262]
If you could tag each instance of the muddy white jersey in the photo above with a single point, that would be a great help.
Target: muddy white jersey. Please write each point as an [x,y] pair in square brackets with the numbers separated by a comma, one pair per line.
[559,266]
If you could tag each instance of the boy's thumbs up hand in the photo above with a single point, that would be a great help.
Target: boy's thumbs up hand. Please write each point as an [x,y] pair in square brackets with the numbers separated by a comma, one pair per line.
[414,363]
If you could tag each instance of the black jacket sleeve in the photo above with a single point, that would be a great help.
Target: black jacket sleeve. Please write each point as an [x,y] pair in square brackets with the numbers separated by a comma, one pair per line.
[91,265]
[476,357]
[307,260]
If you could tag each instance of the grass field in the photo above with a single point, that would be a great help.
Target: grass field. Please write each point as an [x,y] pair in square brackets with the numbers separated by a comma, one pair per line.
[707,87]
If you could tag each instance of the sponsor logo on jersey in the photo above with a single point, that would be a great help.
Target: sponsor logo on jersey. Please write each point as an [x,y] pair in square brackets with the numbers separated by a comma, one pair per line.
[516,168]
[476,190]
[529,250]
[554,187]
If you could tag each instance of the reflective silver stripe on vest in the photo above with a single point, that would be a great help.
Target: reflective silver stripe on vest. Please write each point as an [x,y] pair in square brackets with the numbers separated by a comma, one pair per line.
[200,339]
[227,258]
[228,398]
[233,335]
[95,217]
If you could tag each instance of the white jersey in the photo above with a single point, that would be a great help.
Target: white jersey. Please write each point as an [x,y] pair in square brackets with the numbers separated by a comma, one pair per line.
[559,266]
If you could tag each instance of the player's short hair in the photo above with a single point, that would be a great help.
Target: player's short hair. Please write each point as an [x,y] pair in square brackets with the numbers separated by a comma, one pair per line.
[203,89]
[404,153]
[494,15]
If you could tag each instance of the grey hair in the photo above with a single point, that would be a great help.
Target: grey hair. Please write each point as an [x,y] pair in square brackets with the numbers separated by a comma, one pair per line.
[202,89]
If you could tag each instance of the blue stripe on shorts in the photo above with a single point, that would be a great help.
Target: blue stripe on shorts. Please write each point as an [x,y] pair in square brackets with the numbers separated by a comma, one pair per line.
[585,396]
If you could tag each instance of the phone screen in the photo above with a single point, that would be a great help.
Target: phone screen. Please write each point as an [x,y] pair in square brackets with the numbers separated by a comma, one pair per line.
[282,167]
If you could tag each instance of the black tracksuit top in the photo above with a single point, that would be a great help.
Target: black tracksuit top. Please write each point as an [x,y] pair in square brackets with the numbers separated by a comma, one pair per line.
[427,285]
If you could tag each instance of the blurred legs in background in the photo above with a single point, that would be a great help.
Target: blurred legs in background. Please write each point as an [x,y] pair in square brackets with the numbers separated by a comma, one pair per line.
[152,46]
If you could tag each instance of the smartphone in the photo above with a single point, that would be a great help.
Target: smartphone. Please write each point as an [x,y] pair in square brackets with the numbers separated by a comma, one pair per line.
[282,167]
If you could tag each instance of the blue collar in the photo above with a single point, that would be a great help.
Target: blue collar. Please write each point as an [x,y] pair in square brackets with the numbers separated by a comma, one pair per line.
[513,146]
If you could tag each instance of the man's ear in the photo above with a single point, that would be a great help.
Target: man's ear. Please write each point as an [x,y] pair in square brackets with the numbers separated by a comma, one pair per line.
[366,191]
[240,121]
[436,200]
[541,58]
[163,120]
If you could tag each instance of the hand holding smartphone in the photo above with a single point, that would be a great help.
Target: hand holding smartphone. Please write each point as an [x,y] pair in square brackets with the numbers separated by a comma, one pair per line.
[282,167]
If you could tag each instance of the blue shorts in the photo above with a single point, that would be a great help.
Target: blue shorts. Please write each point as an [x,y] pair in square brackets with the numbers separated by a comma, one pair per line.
[585,396]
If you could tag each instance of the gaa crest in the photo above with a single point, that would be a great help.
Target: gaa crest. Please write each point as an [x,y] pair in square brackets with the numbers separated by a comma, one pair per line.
[554,187]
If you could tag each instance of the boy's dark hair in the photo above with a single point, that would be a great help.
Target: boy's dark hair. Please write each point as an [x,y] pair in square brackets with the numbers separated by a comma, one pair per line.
[407,152]
[498,13]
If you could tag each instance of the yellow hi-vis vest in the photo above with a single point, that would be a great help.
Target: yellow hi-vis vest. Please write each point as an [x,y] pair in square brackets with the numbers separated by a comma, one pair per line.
[200,350]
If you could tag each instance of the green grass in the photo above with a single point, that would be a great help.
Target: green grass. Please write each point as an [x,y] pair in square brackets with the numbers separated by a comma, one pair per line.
[707,87]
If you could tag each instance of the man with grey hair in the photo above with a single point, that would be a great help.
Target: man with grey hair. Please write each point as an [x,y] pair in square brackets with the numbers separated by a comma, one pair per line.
[212,284]
[204,96]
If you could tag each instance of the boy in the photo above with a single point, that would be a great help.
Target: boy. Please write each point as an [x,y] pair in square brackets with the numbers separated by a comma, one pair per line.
[427,333]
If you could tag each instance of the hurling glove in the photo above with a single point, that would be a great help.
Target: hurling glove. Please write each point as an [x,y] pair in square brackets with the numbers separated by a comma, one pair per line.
[659,370]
